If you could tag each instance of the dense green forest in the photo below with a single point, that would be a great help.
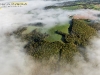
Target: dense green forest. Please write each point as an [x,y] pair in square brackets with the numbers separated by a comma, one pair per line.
[40,49]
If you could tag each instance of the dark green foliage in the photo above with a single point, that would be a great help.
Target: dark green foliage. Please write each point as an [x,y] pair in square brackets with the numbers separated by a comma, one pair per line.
[34,36]
[68,51]
[70,38]
[41,49]
[44,50]
[47,50]
[95,25]
[82,31]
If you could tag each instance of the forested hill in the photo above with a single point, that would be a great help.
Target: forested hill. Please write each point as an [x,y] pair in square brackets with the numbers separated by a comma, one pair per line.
[79,34]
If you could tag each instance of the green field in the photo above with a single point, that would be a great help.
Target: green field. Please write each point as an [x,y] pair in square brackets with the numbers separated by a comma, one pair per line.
[82,6]
[55,37]
[52,35]
[30,29]
[73,7]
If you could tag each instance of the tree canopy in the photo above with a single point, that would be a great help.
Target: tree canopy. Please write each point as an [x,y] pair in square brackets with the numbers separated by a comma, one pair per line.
[79,34]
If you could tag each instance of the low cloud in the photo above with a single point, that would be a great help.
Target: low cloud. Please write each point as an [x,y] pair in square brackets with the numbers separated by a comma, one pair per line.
[14,60]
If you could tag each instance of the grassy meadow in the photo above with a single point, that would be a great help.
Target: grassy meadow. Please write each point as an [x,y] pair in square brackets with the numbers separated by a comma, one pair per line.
[55,37]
